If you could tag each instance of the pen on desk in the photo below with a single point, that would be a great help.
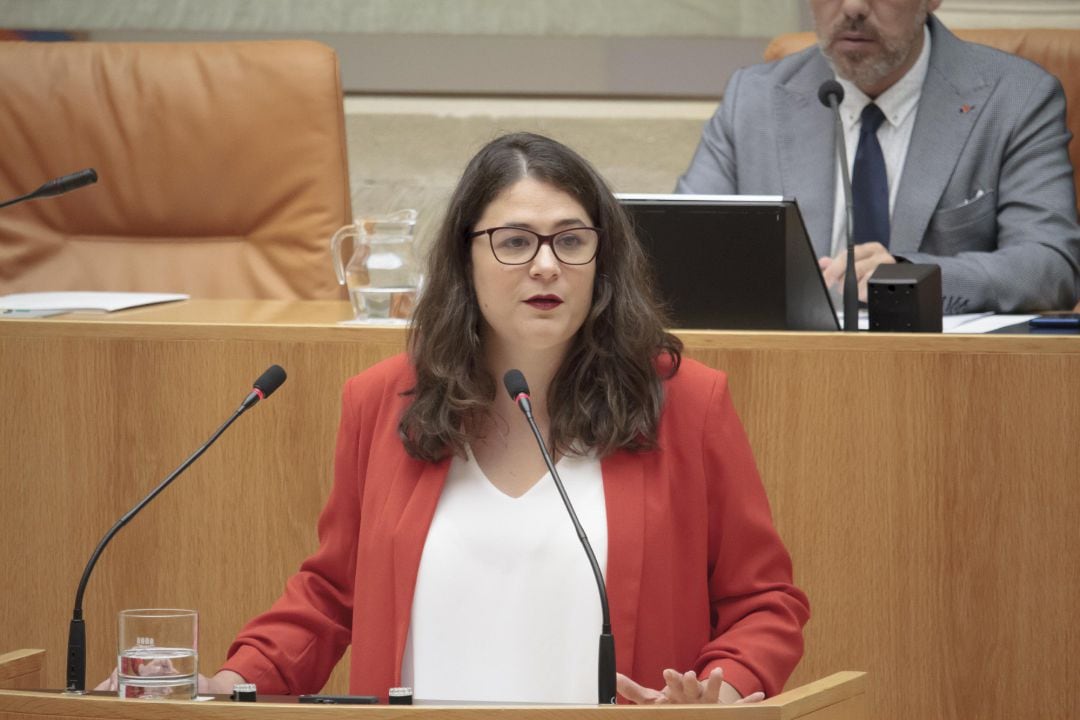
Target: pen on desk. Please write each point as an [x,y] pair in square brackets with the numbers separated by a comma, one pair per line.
[9,311]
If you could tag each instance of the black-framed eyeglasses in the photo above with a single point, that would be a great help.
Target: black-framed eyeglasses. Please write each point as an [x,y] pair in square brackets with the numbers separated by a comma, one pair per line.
[518,246]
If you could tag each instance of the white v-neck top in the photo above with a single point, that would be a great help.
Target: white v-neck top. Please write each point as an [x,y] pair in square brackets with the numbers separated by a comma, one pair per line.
[506,607]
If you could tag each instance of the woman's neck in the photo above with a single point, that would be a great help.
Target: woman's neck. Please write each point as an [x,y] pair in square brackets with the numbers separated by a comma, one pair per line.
[503,445]
[538,367]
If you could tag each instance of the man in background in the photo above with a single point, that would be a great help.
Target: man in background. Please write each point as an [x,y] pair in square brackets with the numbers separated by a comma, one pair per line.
[958,155]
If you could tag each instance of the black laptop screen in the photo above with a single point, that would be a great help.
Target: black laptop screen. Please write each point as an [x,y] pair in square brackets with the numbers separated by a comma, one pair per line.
[732,262]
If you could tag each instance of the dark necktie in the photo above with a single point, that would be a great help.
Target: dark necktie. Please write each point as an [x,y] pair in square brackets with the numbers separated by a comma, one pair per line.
[869,183]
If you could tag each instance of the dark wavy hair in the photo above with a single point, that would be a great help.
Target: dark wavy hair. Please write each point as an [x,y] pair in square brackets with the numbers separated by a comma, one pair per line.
[608,393]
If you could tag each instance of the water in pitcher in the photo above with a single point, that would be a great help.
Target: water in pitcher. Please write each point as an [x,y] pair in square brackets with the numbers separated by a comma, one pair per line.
[160,673]
[375,259]
[392,303]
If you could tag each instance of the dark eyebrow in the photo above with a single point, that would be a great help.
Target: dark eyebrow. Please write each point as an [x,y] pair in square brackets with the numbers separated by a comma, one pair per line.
[564,223]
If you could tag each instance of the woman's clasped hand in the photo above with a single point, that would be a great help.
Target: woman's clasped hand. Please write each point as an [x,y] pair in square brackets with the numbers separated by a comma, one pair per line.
[685,688]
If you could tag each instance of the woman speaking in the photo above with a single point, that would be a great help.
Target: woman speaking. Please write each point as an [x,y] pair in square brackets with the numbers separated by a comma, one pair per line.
[447,560]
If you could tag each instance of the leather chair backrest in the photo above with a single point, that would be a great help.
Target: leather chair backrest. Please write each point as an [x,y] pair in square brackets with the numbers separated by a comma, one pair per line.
[223,168]
[1056,50]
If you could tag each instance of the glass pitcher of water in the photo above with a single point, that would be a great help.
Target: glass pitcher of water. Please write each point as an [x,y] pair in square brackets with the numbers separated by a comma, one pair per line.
[379,267]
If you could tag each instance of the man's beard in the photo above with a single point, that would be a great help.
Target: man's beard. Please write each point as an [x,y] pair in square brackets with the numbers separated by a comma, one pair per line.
[867,69]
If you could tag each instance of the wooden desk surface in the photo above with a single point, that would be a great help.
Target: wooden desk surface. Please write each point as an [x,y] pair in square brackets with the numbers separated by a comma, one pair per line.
[841,696]
[926,486]
[323,320]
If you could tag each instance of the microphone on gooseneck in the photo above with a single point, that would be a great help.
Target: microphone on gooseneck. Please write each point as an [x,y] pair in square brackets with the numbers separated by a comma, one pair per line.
[519,393]
[263,388]
[59,186]
[831,94]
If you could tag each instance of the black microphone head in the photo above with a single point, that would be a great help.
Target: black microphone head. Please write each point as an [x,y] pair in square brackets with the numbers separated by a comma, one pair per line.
[67,183]
[828,89]
[515,384]
[87,176]
[270,380]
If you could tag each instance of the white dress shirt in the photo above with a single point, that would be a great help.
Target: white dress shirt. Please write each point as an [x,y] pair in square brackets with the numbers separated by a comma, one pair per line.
[899,104]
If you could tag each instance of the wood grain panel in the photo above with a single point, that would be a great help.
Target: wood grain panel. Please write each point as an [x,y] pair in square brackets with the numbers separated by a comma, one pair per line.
[926,486]
[21,669]
[837,697]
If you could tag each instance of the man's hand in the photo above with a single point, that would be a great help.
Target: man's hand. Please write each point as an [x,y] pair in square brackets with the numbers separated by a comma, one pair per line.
[685,688]
[867,257]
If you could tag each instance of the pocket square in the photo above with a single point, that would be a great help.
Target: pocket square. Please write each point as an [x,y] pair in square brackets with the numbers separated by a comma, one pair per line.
[978,194]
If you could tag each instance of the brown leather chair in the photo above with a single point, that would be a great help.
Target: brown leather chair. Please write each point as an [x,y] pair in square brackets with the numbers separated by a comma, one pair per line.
[223,169]
[1058,51]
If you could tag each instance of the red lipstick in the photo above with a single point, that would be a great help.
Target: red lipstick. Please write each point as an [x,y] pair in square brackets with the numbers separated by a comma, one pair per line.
[545,302]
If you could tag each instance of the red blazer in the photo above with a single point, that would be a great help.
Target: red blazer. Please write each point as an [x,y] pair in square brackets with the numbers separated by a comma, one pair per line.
[696,573]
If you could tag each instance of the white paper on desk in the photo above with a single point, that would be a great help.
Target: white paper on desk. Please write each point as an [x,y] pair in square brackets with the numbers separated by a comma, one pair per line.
[376,322]
[983,322]
[990,323]
[864,319]
[72,301]
[953,323]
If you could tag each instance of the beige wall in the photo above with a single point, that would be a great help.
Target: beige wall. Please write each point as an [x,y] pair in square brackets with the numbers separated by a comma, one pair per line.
[543,47]
[1011,13]
[599,48]
[409,152]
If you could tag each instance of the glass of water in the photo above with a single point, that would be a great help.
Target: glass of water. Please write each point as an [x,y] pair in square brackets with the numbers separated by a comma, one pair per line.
[379,266]
[158,654]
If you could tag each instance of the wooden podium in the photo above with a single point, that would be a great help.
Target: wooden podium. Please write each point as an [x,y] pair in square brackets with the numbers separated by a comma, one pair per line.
[841,696]
[935,549]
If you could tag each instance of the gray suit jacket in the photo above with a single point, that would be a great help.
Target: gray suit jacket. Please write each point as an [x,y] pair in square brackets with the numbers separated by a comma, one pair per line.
[1014,247]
